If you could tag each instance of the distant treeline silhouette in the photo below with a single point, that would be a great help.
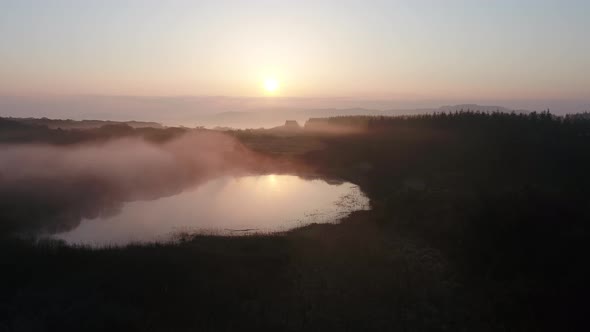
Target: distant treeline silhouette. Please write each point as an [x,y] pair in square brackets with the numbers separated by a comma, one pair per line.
[30,131]
[540,122]
[505,196]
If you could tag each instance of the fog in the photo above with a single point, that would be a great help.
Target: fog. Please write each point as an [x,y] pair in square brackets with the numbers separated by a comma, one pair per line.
[51,188]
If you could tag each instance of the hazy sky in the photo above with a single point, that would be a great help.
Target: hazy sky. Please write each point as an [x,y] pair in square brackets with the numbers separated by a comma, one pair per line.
[366,49]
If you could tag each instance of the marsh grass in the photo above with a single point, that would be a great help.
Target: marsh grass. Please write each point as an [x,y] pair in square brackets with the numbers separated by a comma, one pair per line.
[479,222]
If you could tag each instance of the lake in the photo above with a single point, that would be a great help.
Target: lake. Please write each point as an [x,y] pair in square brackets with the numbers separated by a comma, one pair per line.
[225,206]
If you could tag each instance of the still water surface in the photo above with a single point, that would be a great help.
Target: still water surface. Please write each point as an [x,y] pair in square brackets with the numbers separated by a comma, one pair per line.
[226,205]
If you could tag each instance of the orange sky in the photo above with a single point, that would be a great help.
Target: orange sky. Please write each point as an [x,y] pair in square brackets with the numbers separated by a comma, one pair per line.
[376,49]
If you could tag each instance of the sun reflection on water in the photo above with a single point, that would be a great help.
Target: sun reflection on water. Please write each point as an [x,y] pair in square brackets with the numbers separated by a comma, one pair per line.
[266,203]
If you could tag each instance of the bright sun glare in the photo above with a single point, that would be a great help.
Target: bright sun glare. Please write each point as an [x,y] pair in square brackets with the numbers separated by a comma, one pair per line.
[271,85]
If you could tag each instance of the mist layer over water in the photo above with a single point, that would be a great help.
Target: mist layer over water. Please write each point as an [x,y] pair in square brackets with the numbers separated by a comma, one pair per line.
[226,205]
[50,188]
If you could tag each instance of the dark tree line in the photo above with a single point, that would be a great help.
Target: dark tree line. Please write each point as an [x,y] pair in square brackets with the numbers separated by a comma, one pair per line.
[505,196]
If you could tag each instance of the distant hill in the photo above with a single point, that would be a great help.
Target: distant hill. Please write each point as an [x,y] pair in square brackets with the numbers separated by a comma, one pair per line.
[246,112]
[82,124]
[10,124]
[204,111]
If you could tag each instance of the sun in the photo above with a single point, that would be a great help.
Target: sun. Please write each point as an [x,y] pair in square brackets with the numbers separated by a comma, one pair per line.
[271,85]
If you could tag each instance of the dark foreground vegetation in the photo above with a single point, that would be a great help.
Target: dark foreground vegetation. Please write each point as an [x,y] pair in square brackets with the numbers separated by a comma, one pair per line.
[479,222]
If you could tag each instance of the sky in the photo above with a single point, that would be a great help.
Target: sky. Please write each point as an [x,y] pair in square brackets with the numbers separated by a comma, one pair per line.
[451,49]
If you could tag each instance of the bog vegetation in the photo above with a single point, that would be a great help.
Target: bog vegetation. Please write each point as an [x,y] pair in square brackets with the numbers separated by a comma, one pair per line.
[479,222]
